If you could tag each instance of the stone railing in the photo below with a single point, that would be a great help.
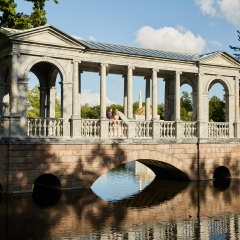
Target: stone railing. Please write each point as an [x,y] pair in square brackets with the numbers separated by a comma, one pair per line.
[45,127]
[167,129]
[143,129]
[190,129]
[90,128]
[218,130]
[117,129]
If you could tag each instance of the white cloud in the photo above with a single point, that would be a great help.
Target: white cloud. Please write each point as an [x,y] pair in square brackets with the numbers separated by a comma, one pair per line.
[170,39]
[227,9]
[230,10]
[206,6]
[92,98]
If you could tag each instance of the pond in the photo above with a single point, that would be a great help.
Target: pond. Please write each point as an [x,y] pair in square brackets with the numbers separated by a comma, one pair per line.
[120,205]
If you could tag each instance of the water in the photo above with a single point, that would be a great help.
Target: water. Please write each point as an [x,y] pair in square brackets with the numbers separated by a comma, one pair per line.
[121,210]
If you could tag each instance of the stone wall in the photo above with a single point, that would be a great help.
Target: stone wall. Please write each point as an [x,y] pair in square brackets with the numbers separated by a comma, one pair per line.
[79,165]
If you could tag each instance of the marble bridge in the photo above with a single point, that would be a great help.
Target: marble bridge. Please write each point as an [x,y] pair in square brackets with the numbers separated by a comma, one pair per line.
[72,152]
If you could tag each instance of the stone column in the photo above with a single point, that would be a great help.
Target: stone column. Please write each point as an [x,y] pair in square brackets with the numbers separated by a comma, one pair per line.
[43,101]
[194,106]
[4,97]
[51,104]
[103,94]
[199,103]
[230,104]
[154,95]
[75,93]
[13,86]
[179,129]
[66,107]
[177,96]
[202,98]
[147,99]
[23,104]
[103,90]
[125,100]
[237,124]
[80,93]
[75,120]
[129,92]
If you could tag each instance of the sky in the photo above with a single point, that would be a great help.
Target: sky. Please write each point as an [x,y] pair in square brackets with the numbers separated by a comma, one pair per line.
[188,26]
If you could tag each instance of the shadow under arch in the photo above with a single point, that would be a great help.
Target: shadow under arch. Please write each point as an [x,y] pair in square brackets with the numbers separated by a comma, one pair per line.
[46,190]
[222,178]
[164,170]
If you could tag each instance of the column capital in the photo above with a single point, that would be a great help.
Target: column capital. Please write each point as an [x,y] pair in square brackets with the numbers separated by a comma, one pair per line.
[76,61]
[130,67]
[14,53]
[103,65]
[155,70]
[147,77]
[178,72]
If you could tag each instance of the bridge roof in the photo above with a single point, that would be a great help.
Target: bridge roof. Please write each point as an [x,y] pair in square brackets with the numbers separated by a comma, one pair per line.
[100,46]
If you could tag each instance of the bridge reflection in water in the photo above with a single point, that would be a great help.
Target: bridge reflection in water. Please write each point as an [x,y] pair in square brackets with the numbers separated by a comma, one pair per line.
[163,210]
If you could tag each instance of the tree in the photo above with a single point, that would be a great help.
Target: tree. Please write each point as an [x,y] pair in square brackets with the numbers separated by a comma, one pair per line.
[34,103]
[10,18]
[236,49]
[216,109]
[186,106]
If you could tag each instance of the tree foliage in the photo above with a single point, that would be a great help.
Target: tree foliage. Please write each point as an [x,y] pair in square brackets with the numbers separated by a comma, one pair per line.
[34,103]
[216,109]
[236,49]
[186,106]
[10,18]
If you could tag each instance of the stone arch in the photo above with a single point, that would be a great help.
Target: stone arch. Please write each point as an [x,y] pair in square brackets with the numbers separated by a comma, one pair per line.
[222,81]
[161,160]
[49,60]
[164,158]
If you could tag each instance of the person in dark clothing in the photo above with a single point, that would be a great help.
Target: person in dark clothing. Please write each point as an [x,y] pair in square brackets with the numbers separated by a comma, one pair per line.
[109,113]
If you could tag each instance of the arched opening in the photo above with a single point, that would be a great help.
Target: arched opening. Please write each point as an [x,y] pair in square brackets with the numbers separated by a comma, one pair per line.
[221,173]
[46,190]
[45,95]
[222,178]
[218,102]
[48,181]
[164,171]
[186,103]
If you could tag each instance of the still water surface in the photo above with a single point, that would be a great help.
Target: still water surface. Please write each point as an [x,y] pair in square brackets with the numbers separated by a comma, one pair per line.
[119,206]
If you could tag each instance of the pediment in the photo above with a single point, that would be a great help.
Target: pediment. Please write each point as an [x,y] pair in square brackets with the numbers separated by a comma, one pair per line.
[222,59]
[48,36]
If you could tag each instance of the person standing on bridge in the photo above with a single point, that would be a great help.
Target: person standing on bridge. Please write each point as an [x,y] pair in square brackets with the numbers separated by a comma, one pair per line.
[109,113]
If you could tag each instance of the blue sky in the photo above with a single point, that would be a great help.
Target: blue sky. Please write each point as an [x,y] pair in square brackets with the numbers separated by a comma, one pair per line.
[194,26]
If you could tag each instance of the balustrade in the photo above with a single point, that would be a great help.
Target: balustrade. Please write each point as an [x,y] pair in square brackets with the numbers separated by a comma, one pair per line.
[117,129]
[167,129]
[143,129]
[218,130]
[90,128]
[45,127]
[190,129]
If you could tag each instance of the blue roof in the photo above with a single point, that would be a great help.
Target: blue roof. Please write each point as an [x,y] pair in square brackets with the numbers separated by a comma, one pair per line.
[139,51]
